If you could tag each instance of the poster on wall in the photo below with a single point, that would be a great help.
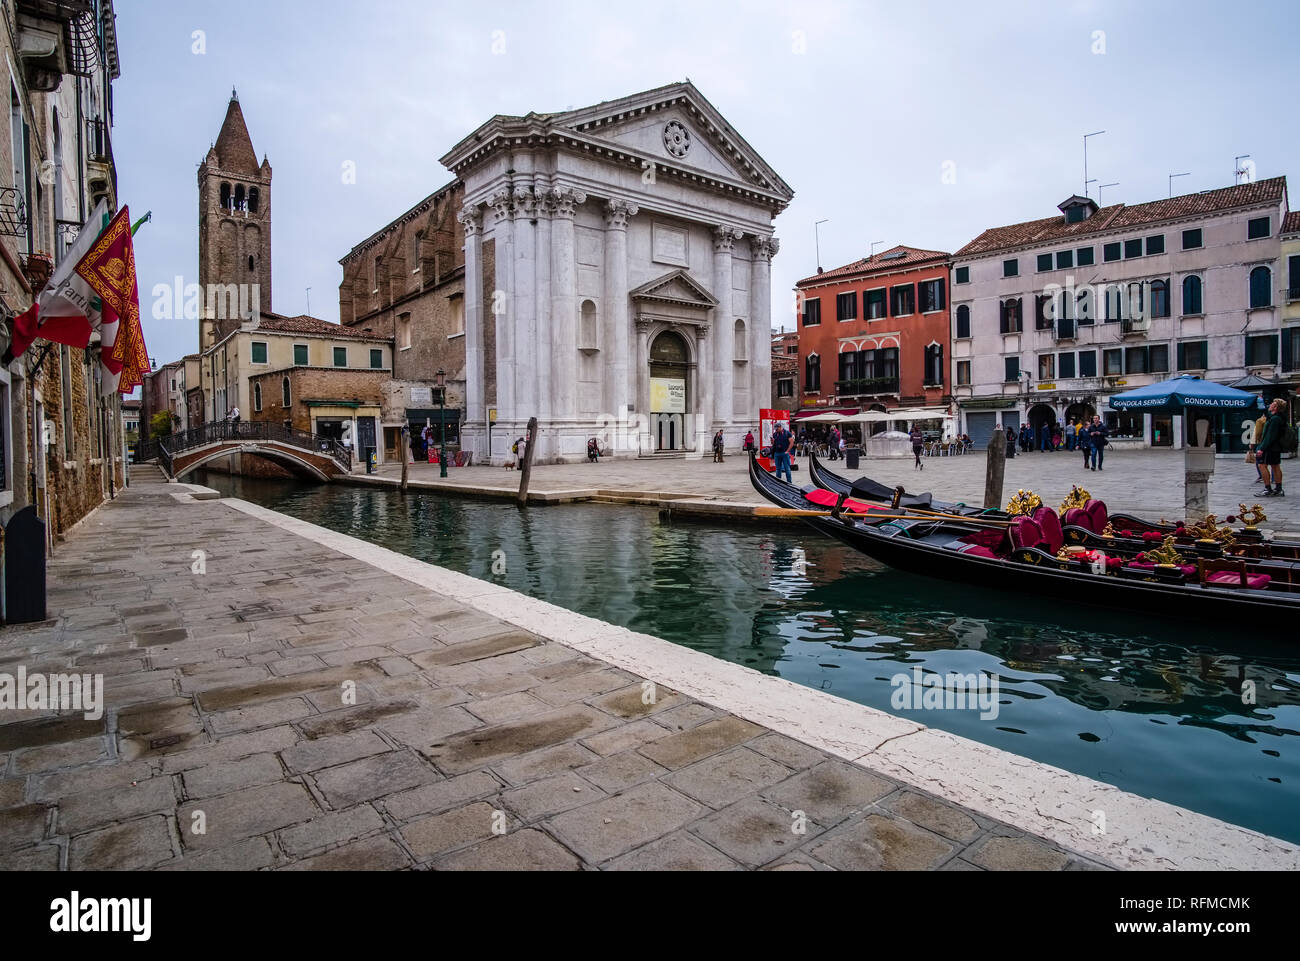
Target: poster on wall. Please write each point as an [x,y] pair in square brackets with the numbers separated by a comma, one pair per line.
[667,395]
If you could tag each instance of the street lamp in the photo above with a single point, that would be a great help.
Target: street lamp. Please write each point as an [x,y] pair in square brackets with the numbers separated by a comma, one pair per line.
[442,417]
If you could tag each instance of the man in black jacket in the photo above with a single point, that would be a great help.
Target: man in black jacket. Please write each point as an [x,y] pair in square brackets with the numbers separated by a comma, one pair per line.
[1270,446]
[1097,434]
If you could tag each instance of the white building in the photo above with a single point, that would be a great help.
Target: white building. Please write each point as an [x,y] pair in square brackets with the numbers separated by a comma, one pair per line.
[1052,317]
[617,277]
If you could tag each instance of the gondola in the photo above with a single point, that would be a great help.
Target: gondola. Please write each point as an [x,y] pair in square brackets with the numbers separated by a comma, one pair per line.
[1021,556]
[1080,527]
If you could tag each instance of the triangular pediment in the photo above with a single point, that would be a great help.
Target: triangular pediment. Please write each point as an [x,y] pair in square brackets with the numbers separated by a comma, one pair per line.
[677,126]
[677,287]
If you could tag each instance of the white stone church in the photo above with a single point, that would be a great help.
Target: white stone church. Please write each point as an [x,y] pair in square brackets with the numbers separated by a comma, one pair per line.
[617,277]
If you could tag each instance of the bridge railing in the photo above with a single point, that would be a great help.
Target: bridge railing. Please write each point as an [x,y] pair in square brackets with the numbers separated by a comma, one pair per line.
[219,432]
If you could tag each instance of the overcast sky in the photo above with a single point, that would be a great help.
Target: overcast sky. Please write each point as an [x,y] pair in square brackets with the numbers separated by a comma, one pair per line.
[861,107]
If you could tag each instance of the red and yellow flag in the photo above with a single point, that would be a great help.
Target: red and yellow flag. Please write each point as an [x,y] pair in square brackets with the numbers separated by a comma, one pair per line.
[108,268]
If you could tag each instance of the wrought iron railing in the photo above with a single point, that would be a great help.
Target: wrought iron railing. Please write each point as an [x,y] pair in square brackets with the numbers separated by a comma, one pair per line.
[867,386]
[218,432]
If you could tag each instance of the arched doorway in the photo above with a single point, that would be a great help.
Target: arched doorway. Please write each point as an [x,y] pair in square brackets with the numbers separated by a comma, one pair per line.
[1080,413]
[669,391]
[1039,415]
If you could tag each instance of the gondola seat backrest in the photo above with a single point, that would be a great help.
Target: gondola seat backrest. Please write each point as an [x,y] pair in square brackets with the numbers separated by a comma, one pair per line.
[1100,516]
[1047,519]
[1025,532]
[1078,517]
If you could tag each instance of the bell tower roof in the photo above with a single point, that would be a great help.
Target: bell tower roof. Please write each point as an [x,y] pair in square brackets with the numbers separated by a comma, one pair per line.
[234,146]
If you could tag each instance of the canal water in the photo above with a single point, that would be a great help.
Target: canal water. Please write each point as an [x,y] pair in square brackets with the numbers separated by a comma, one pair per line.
[1155,706]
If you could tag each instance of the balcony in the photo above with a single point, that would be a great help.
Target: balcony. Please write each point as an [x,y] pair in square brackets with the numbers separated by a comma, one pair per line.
[1293,293]
[46,46]
[1136,326]
[99,162]
[37,268]
[867,387]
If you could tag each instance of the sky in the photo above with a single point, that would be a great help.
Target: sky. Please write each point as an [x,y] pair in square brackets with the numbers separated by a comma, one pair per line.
[912,122]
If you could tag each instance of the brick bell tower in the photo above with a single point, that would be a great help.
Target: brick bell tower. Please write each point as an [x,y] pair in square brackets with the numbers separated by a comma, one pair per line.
[234,228]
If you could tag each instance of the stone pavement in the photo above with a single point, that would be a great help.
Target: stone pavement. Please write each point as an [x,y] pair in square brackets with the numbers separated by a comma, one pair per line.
[293,707]
[1144,482]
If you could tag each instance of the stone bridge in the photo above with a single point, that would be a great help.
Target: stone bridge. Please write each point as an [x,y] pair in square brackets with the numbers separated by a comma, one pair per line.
[302,452]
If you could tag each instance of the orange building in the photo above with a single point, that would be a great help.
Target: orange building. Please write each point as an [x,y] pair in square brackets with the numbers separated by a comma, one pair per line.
[875,333]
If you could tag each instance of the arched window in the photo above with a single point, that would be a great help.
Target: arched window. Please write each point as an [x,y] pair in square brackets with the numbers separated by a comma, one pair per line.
[934,366]
[963,322]
[587,327]
[740,347]
[1261,287]
[417,247]
[1191,295]
[1083,306]
[257,397]
[379,270]
[252,200]
[225,196]
[239,196]
[285,399]
[1159,298]
[1011,319]
[812,373]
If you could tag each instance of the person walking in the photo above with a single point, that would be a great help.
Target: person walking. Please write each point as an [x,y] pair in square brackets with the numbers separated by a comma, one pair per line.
[1270,444]
[1056,438]
[781,451]
[1070,436]
[234,421]
[717,447]
[749,441]
[1085,445]
[1098,433]
[1044,437]
[1258,457]
[918,443]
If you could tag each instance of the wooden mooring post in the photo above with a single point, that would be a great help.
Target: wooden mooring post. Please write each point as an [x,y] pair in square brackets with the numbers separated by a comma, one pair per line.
[527,467]
[995,468]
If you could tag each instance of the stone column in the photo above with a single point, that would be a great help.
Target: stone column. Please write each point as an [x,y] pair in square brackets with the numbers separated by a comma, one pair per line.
[545,329]
[762,250]
[564,292]
[724,323]
[643,384]
[614,347]
[469,218]
[525,302]
[704,385]
[503,310]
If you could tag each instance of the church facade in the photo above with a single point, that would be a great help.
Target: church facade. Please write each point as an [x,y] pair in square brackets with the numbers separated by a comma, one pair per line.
[617,277]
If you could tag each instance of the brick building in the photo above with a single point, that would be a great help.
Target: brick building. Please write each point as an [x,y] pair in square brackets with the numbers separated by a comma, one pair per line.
[785,370]
[406,282]
[874,334]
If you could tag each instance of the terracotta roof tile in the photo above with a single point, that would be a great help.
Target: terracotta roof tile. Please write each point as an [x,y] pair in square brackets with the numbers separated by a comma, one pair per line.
[1291,224]
[884,262]
[306,324]
[1122,217]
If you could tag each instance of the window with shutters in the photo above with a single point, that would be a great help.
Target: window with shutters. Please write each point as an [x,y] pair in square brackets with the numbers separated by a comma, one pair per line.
[812,374]
[1257,227]
[1156,244]
[1112,362]
[846,306]
[1064,259]
[961,275]
[1133,248]
[1084,256]
[1010,268]
[1041,319]
[340,356]
[1085,309]
[963,372]
[1261,287]
[259,352]
[934,366]
[1136,360]
[1159,363]
[812,312]
[1011,369]
[875,303]
[1065,366]
[963,322]
[1192,239]
[1044,262]
[1159,298]
[1191,295]
[1046,367]
[1011,319]
[1261,350]
[1293,278]
[902,300]
[1193,355]
[1087,363]
[1291,349]
[931,296]
[376,358]
[1110,252]
[300,355]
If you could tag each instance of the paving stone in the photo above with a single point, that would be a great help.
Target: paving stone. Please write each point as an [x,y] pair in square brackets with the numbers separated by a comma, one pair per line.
[371,854]
[35,759]
[354,718]
[679,750]
[484,746]
[13,790]
[687,716]
[724,778]
[615,825]
[371,777]
[81,812]
[490,687]
[453,829]
[326,752]
[469,651]
[677,852]
[250,854]
[425,730]
[122,847]
[223,777]
[231,747]
[957,864]
[352,655]
[543,763]
[41,857]
[830,791]
[396,666]
[625,737]
[754,831]
[24,824]
[296,665]
[581,686]
[245,814]
[261,715]
[620,771]
[440,795]
[61,729]
[943,819]
[330,829]
[526,849]
[791,753]
[497,709]
[878,843]
[550,796]
[633,702]
[1017,854]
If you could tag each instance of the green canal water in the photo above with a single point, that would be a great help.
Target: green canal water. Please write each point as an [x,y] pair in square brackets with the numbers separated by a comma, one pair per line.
[1151,705]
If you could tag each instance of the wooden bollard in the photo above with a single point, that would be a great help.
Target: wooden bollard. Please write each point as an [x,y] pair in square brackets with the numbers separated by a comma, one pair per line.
[527,466]
[995,468]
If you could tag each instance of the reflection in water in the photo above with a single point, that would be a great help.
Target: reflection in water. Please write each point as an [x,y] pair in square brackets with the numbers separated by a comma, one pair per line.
[1160,708]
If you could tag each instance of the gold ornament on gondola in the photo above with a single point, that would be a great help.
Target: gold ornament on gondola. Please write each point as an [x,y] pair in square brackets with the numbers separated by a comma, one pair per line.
[1165,555]
[1025,502]
[1109,531]
[1078,497]
[1210,532]
[1255,518]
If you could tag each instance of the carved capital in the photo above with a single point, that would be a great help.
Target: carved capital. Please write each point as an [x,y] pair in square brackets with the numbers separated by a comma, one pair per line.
[725,237]
[566,200]
[471,218]
[763,248]
[617,213]
[525,202]
[643,325]
[500,204]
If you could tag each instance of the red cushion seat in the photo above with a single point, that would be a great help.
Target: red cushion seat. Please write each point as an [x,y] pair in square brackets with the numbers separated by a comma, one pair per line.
[1078,517]
[1100,516]
[1025,532]
[1189,570]
[825,498]
[1047,519]
[1255,582]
